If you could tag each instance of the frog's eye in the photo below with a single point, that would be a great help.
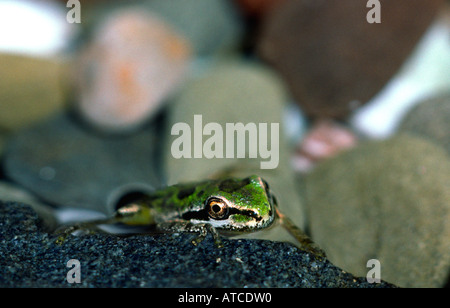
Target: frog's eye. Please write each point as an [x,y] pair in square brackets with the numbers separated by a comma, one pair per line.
[217,208]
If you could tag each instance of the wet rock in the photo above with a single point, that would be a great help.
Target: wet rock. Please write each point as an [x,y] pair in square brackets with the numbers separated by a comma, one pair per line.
[387,201]
[129,68]
[32,259]
[332,58]
[430,119]
[68,166]
[212,26]
[30,89]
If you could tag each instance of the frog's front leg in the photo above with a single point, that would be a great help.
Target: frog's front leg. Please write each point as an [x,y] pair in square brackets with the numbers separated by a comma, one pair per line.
[90,226]
[133,214]
[186,226]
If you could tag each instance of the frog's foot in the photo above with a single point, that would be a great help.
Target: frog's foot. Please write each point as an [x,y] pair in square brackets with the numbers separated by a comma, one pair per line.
[202,229]
[89,227]
[64,232]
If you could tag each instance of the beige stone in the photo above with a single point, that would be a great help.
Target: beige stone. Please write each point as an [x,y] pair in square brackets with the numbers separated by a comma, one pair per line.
[389,201]
[30,89]
[430,119]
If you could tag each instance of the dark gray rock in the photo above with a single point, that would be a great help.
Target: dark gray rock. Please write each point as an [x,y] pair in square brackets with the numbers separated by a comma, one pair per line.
[32,259]
[67,165]
[10,192]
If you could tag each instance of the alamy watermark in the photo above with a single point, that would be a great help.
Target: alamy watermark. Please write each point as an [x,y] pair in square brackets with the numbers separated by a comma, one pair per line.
[235,140]
[74,275]
[374,14]
[74,14]
[374,274]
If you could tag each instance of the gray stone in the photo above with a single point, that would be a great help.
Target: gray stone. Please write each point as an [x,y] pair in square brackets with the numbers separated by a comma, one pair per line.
[210,25]
[389,201]
[63,163]
[3,138]
[30,258]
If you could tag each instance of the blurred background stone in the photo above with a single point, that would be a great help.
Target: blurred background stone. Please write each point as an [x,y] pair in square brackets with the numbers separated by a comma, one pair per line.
[3,139]
[133,62]
[211,26]
[325,139]
[68,166]
[424,74]
[35,28]
[258,8]
[387,201]
[430,119]
[30,89]
[332,58]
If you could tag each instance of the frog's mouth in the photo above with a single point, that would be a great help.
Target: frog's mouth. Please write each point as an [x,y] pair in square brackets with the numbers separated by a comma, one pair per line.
[237,219]
[202,215]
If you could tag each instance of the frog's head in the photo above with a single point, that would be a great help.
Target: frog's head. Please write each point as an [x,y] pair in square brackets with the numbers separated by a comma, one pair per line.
[240,204]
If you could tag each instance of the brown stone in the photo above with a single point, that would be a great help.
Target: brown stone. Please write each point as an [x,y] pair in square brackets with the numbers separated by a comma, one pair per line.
[258,8]
[332,58]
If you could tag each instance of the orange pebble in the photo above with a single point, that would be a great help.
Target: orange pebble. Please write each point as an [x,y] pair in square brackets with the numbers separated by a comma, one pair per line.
[128,70]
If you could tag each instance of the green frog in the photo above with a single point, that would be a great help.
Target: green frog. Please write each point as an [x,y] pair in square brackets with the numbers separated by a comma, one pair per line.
[228,206]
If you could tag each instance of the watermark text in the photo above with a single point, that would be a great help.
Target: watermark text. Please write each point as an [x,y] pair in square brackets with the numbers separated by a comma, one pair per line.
[374,14]
[74,14]
[235,140]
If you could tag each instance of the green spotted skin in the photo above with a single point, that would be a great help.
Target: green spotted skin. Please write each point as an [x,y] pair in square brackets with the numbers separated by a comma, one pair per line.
[230,204]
